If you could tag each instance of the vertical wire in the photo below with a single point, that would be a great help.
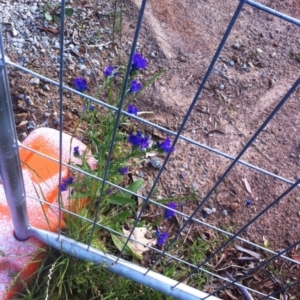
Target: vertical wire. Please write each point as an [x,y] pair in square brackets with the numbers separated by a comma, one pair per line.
[197,95]
[122,98]
[61,78]
[248,144]
[252,271]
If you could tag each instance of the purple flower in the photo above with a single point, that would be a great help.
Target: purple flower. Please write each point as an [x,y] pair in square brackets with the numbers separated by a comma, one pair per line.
[108,192]
[76,151]
[138,140]
[134,140]
[80,84]
[135,86]
[110,71]
[132,109]
[65,182]
[169,213]
[161,237]
[144,142]
[204,214]
[248,202]
[91,108]
[139,62]
[166,145]
[123,171]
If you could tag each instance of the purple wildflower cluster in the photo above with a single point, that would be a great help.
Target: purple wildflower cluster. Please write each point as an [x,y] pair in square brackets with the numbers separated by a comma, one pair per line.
[76,151]
[123,171]
[169,213]
[110,71]
[139,62]
[135,86]
[166,145]
[248,202]
[132,109]
[161,237]
[65,182]
[138,140]
[80,84]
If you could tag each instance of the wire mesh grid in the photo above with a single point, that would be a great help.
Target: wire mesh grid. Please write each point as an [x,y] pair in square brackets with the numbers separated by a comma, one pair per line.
[116,264]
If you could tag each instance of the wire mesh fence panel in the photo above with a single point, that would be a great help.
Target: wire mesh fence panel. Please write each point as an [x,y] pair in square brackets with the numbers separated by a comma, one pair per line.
[195,195]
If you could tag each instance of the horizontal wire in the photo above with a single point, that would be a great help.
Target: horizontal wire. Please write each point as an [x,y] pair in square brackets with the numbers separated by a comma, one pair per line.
[160,205]
[175,258]
[144,121]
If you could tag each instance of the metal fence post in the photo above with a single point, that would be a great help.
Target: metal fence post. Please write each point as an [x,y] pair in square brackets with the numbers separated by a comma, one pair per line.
[10,166]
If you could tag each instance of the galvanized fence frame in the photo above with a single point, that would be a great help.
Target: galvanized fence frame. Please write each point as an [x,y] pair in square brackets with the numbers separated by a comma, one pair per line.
[16,196]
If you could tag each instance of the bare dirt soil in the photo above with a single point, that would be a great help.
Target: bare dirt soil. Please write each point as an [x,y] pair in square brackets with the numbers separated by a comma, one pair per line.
[258,65]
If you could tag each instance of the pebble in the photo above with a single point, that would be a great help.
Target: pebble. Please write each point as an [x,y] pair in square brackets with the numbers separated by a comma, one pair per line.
[28,101]
[153,54]
[259,51]
[234,206]
[185,166]
[236,45]
[14,31]
[156,163]
[208,210]
[195,185]
[47,114]
[222,87]
[273,54]
[111,54]
[34,81]
[47,87]
[141,174]
[231,63]
[31,125]
[224,212]
[21,96]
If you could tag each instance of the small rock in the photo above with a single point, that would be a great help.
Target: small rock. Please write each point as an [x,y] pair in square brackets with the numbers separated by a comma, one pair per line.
[141,174]
[56,45]
[293,155]
[112,55]
[273,54]
[231,63]
[153,54]
[208,210]
[185,166]
[47,114]
[28,101]
[47,87]
[236,45]
[195,185]
[31,125]
[14,31]
[213,209]
[156,163]
[244,66]
[259,51]
[234,206]
[222,87]
[181,175]
[34,81]
[21,96]
[224,212]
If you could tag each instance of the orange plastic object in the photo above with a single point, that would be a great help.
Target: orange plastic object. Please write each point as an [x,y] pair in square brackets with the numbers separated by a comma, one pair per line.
[19,260]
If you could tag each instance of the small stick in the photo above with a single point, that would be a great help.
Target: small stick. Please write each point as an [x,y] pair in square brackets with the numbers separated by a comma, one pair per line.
[243,290]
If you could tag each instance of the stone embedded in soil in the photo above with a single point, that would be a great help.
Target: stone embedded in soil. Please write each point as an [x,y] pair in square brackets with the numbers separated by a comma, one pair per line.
[34,81]
[234,206]
[156,163]
[209,211]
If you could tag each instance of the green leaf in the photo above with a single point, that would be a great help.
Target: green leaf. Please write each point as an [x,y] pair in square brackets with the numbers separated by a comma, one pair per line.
[69,11]
[119,242]
[48,17]
[122,216]
[119,200]
[134,187]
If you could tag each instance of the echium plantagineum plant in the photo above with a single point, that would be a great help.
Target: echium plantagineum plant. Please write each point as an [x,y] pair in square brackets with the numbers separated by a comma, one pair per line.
[130,146]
